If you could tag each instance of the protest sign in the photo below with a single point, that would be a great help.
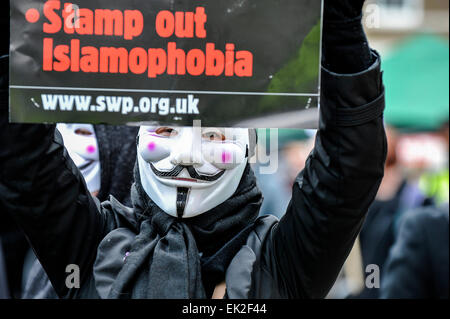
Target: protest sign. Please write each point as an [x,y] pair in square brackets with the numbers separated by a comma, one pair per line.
[227,63]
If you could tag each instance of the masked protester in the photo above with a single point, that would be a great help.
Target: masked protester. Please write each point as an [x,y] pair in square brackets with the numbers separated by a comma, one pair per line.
[418,263]
[193,227]
[105,156]
[81,143]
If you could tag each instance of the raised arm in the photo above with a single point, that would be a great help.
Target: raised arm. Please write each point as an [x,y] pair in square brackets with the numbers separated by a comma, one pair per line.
[331,196]
[44,192]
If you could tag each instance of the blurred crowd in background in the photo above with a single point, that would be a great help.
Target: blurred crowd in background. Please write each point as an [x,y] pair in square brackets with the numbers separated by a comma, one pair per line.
[403,248]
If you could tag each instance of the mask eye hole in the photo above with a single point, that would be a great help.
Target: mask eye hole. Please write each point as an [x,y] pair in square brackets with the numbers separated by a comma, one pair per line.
[213,136]
[83,132]
[166,131]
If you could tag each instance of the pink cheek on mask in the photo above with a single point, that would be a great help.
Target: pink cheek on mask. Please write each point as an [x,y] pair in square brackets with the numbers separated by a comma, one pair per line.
[226,157]
[91,149]
[151,146]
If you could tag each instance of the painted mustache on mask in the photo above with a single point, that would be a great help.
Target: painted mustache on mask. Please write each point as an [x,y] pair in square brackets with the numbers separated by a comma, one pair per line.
[191,170]
[86,165]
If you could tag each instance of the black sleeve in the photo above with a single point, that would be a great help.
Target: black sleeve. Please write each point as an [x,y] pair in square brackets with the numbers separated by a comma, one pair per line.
[42,189]
[331,196]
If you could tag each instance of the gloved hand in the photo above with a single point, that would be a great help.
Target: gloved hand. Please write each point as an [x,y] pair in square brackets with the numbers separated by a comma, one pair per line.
[345,46]
[337,10]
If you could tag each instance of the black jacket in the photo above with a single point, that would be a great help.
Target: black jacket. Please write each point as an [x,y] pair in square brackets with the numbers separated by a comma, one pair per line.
[381,226]
[418,264]
[299,256]
[4,285]
[117,150]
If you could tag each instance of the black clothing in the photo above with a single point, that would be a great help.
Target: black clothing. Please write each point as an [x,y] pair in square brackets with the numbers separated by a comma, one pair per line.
[300,256]
[145,273]
[4,25]
[297,257]
[4,285]
[346,49]
[13,244]
[13,247]
[117,150]
[344,10]
[418,264]
[381,226]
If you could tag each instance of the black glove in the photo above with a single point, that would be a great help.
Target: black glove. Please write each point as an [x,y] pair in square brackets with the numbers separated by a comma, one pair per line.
[345,46]
[341,10]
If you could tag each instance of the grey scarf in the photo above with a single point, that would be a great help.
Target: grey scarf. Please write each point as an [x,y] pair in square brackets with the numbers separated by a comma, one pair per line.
[164,257]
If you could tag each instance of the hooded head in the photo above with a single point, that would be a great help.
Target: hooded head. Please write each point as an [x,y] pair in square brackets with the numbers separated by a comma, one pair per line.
[187,171]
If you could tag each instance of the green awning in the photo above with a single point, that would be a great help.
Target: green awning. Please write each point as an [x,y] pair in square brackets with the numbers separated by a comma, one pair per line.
[416,76]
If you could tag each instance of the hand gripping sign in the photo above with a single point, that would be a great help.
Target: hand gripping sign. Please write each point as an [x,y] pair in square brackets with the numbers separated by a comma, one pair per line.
[227,63]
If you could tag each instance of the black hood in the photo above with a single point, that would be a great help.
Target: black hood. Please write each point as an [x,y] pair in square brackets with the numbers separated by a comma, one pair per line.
[117,149]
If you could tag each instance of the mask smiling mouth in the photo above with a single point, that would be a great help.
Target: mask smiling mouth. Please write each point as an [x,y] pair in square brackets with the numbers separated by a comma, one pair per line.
[86,165]
[196,177]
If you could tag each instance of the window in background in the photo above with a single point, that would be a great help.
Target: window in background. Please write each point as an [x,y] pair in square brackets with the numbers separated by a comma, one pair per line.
[398,14]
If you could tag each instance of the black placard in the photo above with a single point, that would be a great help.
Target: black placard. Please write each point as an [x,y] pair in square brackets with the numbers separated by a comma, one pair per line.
[252,63]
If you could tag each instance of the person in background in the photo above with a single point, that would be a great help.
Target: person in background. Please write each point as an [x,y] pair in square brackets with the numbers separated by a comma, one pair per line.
[436,185]
[294,147]
[105,156]
[395,197]
[418,263]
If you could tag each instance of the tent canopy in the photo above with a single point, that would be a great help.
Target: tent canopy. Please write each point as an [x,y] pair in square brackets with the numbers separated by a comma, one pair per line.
[416,76]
